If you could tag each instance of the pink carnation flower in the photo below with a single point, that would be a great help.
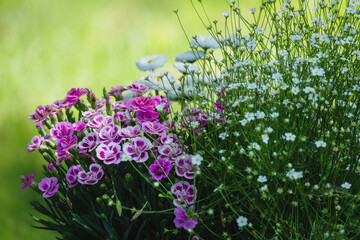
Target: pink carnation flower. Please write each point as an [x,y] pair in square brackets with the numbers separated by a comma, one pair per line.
[155,128]
[89,142]
[160,169]
[184,219]
[29,179]
[61,130]
[142,104]
[72,175]
[36,143]
[184,192]
[147,117]
[110,154]
[185,168]
[49,186]
[91,177]
[138,89]
[137,149]
[74,95]
[110,134]
[130,132]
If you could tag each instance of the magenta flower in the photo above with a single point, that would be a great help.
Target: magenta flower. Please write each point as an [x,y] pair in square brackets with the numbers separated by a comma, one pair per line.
[143,104]
[185,168]
[155,128]
[91,177]
[117,91]
[138,89]
[62,155]
[79,126]
[74,95]
[185,219]
[147,117]
[62,130]
[137,149]
[110,134]
[160,100]
[123,117]
[170,152]
[66,143]
[49,186]
[29,179]
[60,104]
[124,105]
[89,115]
[130,132]
[160,169]
[168,139]
[36,143]
[100,121]
[110,154]
[72,175]
[41,113]
[184,192]
[51,166]
[89,142]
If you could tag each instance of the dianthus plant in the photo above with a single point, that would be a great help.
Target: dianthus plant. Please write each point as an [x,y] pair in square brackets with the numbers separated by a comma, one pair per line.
[283,160]
[116,169]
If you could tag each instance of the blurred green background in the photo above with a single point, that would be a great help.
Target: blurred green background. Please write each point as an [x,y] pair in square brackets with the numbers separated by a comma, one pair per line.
[48,47]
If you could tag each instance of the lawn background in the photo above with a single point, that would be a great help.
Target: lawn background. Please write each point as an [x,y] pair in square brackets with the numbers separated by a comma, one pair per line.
[48,47]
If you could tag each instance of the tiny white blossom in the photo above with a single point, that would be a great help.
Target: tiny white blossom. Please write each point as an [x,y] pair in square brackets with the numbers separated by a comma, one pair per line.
[262,179]
[223,135]
[265,138]
[196,159]
[194,124]
[241,221]
[252,10]
[346,185]
[226,14]
[320,143]
[289,137]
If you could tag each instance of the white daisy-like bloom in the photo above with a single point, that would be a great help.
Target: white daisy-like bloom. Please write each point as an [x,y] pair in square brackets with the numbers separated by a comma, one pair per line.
[259,31]
[241,221]
[262,179]
[265,138]
[186,68]
[294,175]
[204,41]
[223,135]
[190,56]
[320,143]
[282,52]
[260,114]
[194,124]
[346,185]
[296,38]
[196,159]
[277,76]
[295,90]
[249,116]
[317,71]
[158,80]
[255,146]
[264,188]
[126,158]
[309,89]
[226,14]
[289,137]
[243,122]
[252,10]
[151,62]
[353,3]
[274,115]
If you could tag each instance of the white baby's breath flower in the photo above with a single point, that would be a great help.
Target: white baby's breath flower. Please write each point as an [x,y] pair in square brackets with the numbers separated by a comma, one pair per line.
[226,14]
[262,179]
[346,185]
[265,138]
[196,159]
[186,68]
[205,42]
[289,137]
[150,63]
[320,143]
[241,221]
[189,56]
